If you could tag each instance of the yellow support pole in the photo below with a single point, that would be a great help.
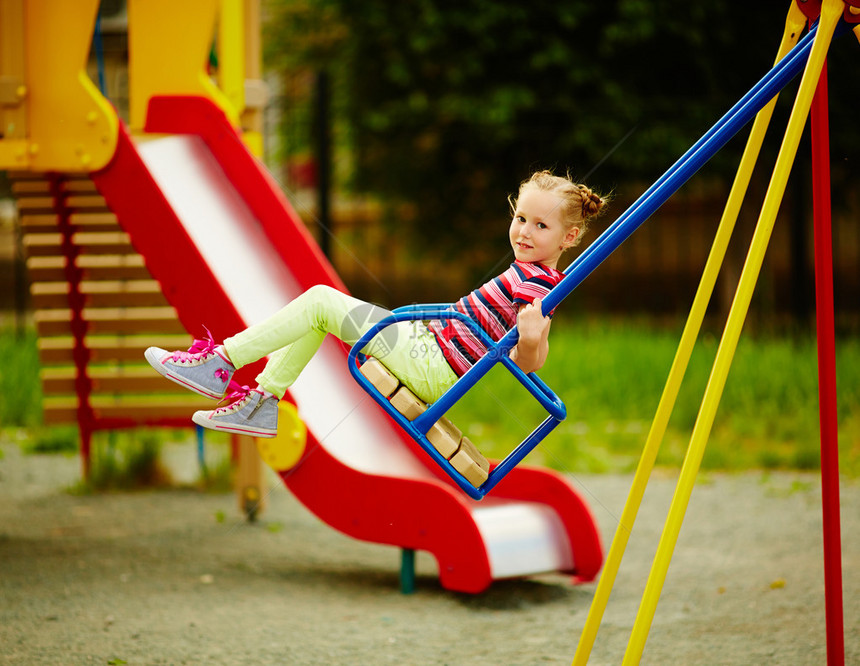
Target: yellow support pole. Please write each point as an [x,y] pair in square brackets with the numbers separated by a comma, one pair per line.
[255,89]
[169,45]
[793,27]
[830,13]
[231,52]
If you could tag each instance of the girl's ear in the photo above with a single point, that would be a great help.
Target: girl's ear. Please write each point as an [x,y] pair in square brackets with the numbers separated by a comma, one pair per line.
[570,238]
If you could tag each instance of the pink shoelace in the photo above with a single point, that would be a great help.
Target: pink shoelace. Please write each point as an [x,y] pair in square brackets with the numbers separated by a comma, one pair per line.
[200,348]
[238,394]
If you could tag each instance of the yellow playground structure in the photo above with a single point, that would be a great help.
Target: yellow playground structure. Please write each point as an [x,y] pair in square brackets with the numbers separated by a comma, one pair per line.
[56,128]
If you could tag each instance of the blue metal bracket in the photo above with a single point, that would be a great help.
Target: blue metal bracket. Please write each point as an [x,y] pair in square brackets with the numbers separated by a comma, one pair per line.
[498,352]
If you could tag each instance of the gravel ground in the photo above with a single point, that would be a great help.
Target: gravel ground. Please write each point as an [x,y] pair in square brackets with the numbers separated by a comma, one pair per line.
[177,577]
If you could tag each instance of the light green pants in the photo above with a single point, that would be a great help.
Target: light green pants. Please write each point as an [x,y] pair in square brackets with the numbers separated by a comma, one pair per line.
[293,335]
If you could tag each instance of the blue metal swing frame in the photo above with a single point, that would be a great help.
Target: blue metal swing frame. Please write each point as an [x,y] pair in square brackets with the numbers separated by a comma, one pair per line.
[498,352]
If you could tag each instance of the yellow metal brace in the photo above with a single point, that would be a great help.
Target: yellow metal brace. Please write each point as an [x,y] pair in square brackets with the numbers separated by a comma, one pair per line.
[794,25]
[831,12]
[239,67]
[231,52]
[52,117]
[55,119]
[13,88]
[168,57]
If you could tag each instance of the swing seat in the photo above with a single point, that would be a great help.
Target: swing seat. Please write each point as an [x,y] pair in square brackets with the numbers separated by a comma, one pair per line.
[426,423]
[445,437]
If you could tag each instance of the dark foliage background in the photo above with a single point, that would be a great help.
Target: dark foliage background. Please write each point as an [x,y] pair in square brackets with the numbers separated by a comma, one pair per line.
[448,104]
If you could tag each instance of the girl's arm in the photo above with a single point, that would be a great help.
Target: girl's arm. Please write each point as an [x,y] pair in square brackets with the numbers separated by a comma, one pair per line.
[533,346]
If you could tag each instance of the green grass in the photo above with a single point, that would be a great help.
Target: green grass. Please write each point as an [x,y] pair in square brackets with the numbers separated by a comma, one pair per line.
[123,460]
[20,394]
[610,376]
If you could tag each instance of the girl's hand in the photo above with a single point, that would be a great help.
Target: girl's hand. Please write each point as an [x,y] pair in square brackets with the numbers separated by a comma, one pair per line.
[533,346]
[531,323]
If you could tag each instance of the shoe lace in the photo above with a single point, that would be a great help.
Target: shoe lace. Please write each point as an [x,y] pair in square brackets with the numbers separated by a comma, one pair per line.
[239,394]
[204,348]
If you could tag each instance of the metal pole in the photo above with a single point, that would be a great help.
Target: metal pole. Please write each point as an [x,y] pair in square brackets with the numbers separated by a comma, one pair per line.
[323,149]
[831,530]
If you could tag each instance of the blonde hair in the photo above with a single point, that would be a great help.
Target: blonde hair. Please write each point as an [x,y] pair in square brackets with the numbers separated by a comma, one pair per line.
[579,203]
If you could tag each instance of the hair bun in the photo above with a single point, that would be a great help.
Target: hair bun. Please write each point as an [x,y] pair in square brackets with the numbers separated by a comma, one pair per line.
[591,203]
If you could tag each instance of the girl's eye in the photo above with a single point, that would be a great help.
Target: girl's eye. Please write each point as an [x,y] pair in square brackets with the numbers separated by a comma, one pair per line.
[520,219]
[540,225]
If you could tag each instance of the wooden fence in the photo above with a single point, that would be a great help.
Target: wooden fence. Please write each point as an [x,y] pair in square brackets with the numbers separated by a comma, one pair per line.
[655,272]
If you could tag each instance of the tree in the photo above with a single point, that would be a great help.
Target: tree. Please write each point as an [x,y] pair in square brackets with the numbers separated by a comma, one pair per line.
[450,104]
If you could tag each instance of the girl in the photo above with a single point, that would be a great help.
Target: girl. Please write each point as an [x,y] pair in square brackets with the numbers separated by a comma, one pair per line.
[550,215]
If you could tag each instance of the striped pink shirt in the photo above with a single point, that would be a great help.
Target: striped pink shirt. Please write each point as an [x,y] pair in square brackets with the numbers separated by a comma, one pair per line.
[494,307]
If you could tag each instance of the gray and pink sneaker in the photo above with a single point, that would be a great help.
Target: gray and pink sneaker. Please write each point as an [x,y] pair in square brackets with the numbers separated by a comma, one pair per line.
[250,413]
[204,368]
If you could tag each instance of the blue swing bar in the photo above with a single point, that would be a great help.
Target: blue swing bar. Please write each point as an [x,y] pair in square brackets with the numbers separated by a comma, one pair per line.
[499,352]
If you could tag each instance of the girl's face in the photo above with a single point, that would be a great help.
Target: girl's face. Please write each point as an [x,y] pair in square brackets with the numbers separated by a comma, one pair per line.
[537,232]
